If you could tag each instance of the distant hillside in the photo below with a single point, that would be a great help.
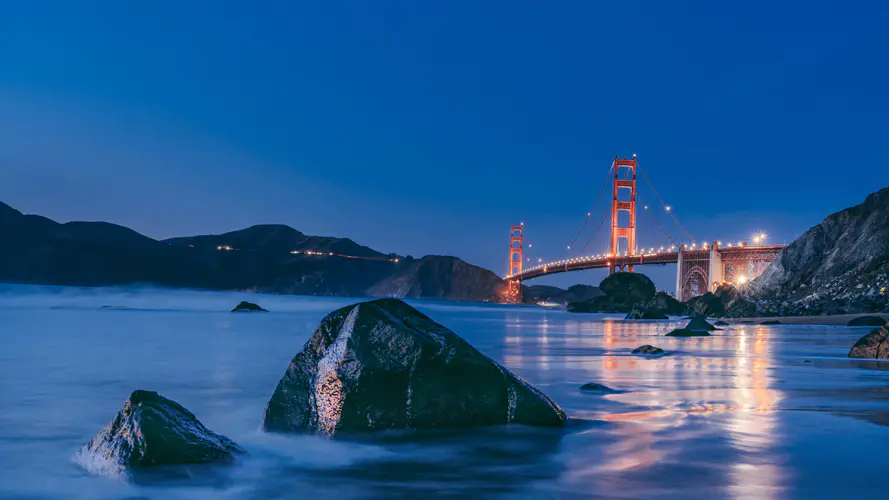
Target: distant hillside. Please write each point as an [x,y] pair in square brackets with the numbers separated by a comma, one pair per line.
[839,266]
[552,294]
[441,277]
[267,258]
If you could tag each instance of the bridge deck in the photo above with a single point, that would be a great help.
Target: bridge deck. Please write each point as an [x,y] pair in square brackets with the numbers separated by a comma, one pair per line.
[581,263]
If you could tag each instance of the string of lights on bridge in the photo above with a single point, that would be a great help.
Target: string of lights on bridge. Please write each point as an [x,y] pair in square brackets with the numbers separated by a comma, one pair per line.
[757,239]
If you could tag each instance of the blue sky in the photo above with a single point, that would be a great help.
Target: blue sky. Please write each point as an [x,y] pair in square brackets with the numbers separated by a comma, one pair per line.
[430,127]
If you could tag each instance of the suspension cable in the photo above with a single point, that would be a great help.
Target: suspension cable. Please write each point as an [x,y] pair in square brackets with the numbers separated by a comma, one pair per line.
[588,214]
[639,199]
[666,209]
[604,216]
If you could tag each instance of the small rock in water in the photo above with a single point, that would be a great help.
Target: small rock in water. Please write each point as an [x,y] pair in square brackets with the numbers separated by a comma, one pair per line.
[649,350]
[642,313]
[385,365]
[683,332]
[699,324]
[771,322]
[598,388]
[152,431]
[245,306]
[874,345]
[867,321]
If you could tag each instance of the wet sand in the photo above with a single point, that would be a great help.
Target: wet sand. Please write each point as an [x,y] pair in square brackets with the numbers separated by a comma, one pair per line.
[836,319]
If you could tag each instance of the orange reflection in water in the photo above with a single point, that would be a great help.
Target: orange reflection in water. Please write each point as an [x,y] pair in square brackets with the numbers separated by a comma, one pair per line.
[716,387]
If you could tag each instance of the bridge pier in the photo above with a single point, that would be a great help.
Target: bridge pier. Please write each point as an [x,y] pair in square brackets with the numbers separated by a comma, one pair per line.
[717,269]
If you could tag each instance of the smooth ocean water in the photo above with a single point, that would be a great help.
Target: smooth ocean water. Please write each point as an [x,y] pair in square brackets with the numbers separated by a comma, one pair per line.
[752,412]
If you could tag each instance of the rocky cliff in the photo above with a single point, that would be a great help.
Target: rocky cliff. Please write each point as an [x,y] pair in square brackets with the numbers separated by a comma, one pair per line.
[839,266]
[266,258]
[441,277]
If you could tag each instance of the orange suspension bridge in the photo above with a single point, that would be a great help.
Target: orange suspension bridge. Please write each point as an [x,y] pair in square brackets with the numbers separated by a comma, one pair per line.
[700,267]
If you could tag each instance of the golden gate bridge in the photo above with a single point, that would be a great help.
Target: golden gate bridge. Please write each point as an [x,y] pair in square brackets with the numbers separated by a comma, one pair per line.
[700,268]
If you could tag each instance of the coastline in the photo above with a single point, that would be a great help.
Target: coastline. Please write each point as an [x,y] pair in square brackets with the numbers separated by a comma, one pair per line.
[835,320]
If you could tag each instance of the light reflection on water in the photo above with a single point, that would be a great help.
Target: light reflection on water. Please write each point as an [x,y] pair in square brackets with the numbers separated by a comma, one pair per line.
[750,412]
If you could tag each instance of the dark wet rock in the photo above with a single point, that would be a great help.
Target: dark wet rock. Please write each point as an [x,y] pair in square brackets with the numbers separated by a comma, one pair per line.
[867,321]
[623,292]
[699,324]
[598,388]
[248,307]
[874,345]
[629,286]
[649,350]
[720,323]
[706,305]
[382,364]
[640,313]
[666,304]
[725,301]
[153,431]
[771,322]
[682,332]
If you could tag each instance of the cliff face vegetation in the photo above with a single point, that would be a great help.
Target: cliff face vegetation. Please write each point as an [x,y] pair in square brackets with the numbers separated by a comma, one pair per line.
[839,266]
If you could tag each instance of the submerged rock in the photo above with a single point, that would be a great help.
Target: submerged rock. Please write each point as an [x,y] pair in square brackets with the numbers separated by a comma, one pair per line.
[720,323]
[683,332]
[867,321]
[699,324]
[649,350]
[245,306]
[598,388]
[382,364]
[152,431]
[771,322]
[874,345]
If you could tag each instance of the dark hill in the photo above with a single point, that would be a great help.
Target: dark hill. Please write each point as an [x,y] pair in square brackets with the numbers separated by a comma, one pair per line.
[441,277]
[268,258]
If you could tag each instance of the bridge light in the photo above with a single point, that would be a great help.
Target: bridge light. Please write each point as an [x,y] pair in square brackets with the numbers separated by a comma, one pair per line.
[742,279]
[589,213]
[667,208]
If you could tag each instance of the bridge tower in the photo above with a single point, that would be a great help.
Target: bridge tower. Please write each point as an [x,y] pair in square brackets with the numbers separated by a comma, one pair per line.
[516,256]
[624,179]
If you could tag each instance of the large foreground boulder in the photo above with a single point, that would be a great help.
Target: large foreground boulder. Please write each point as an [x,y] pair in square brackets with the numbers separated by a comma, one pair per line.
[874,345]
[152,431]
[382,364]
[623,292]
